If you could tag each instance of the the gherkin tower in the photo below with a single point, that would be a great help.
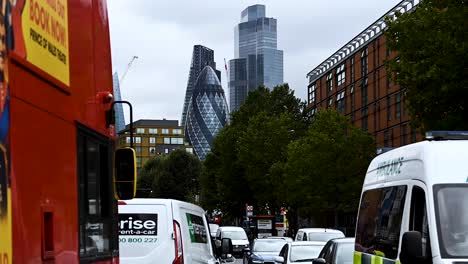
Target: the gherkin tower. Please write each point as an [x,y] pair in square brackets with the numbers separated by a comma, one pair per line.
[207,112]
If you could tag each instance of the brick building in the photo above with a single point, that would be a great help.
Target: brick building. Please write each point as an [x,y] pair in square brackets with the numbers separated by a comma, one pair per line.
[355,82]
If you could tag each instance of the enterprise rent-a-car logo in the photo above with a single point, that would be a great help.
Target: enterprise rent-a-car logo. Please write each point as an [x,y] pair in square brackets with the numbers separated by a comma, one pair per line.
[138,224]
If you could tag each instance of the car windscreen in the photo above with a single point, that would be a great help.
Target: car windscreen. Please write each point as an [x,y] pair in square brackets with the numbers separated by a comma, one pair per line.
[235,235]
[315,236]
[345,253]
[268,245]
[451,201]
[304,252]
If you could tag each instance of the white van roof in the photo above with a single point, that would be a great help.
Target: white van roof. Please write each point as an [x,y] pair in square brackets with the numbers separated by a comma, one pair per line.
[169,202]
[320,230]
[230,228]
[431,162]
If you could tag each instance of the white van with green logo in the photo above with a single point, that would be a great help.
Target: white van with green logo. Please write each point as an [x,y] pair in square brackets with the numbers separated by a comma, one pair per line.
[163,231]
[414,204]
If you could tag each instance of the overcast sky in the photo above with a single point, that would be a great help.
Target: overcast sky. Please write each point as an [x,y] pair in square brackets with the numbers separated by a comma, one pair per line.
[162,34]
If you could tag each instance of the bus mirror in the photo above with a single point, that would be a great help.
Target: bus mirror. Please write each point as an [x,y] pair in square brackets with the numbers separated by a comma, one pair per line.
[125,174]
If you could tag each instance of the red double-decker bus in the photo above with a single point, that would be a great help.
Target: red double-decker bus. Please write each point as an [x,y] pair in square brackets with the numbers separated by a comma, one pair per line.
[57,201]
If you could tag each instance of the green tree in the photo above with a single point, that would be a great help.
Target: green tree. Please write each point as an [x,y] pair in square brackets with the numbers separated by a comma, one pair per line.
[326,167]
[431,44]
[248,155]
[174,176]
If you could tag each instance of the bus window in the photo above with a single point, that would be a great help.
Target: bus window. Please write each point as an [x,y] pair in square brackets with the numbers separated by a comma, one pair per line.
[379,223]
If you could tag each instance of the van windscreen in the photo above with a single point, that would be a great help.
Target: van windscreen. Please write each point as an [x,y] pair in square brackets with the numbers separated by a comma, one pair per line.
[379,221]
[451,201]
[235,235]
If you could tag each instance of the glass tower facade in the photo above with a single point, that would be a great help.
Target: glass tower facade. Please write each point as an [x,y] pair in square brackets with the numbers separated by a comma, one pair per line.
[201,57]
[257,58]
[207,112]
[118,108]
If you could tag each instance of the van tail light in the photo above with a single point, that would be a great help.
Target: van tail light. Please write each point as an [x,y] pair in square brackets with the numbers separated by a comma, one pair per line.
[179,252]
[122,203]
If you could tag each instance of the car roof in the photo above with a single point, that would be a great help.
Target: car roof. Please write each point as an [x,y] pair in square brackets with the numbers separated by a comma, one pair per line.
[320,230]
[343,240]
[279,237]
[308,243]
[230,228]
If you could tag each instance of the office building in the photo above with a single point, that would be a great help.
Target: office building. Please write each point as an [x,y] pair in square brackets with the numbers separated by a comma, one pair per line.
[153,138]
[118,108]
[257,58]
[354,81]
[201,57]
[207,112]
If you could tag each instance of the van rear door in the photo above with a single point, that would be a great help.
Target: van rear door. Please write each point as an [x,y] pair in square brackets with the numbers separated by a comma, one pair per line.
[145,233]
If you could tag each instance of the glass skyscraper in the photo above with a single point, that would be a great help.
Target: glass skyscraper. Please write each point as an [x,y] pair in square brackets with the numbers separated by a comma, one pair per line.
[201,57]
[118,108]
[257,58]
[207,112]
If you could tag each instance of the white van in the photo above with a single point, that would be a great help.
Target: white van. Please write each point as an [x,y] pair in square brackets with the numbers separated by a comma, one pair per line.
[414,204]
[163,231]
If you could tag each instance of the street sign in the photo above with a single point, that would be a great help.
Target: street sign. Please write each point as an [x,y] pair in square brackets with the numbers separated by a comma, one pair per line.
[249,210]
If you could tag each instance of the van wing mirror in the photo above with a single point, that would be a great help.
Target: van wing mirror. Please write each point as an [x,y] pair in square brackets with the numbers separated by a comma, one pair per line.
[319,261]
[279,259]
[411,248]
[125,174]
[226,247]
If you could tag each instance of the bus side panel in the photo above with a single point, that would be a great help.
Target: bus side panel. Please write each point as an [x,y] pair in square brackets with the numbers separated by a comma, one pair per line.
[43,155]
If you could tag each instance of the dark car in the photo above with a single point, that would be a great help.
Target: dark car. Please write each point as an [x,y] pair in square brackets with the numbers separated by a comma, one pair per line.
[264,250]
[337,251]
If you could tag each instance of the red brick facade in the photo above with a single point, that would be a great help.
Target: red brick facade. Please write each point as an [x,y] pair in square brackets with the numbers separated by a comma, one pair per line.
[366,95]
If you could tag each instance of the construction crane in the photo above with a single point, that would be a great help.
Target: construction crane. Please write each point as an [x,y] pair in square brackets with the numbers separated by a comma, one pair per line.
[126,70]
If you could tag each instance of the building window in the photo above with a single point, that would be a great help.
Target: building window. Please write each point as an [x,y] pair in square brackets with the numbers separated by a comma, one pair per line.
[152,140]
[330,101]
[166,151]
[189,150]
[127,140]
[153,131]
[403,132]
[389,108]
[388,81]
[137,140]
[96,210]
[364,93]
[313,112]
[364,119]
[165,131]
[352,69]
[329,83]
[138,150]
[138,161]
[152,150]
[341,102]
[398,105]
[312,93]
[340,75]
[413,135]
[364,61]
[177,131]
[167,140]
[386,138]
[140,130]
[177,141]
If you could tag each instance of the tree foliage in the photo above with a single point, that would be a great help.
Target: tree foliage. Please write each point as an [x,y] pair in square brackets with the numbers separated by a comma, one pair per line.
[247,157]
[326,167]
[431,44]
[174,176]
